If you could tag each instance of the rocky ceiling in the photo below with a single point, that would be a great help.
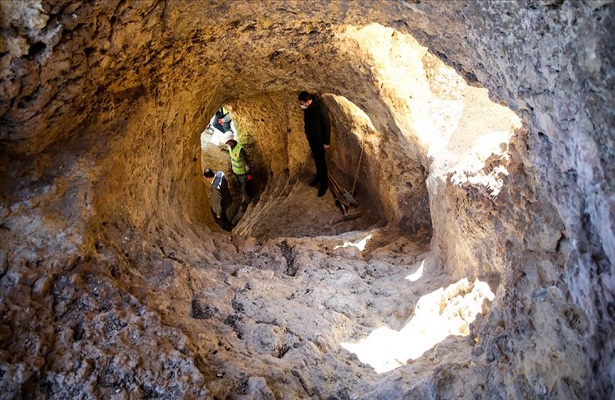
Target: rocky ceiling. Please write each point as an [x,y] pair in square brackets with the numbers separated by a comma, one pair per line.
[487,130]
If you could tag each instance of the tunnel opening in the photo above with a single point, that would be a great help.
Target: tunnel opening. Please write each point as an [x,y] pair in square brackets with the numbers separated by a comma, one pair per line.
[443,132]
[432,124]
[434,131]
[114,283]
[283,165]
[431,131]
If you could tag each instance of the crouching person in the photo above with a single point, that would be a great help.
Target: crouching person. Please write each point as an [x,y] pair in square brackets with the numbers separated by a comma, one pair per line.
[219,197]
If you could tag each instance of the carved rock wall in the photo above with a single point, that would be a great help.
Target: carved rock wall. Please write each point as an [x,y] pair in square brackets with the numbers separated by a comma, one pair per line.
[113,282]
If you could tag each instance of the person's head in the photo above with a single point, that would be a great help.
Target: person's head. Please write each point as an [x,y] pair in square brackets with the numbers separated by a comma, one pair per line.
[209,174]
[229,139]
[305,99]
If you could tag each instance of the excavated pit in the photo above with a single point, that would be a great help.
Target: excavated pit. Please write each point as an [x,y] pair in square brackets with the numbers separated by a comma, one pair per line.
[481,265]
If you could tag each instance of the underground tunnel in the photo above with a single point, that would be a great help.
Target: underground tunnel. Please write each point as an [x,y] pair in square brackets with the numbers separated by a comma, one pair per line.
[480,265]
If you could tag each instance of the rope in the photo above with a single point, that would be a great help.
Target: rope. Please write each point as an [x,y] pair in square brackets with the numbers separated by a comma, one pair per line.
[358,166]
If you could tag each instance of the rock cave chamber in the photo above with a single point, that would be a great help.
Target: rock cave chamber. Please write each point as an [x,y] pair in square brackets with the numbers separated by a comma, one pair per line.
[480,266]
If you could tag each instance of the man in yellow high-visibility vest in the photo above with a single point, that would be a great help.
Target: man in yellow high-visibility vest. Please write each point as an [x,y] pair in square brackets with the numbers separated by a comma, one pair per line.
[239,165]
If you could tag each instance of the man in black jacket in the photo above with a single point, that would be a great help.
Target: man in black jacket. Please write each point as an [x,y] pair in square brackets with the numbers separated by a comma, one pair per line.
[318,132]
[219,197]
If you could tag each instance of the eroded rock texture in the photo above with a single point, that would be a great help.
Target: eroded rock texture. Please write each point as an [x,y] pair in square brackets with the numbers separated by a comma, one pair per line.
[115,282]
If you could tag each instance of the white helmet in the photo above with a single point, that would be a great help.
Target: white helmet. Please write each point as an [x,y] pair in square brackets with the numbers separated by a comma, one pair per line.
[228,135]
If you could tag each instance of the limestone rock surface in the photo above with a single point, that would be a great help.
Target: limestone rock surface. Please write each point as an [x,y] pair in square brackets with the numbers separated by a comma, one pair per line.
[481,265]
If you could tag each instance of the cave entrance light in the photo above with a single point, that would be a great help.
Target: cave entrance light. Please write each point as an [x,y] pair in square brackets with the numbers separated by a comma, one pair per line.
[359,244]
[437,315]
[453,125]
[461,137]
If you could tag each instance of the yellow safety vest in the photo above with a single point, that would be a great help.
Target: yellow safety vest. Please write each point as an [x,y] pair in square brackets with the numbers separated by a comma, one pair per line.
[239,167]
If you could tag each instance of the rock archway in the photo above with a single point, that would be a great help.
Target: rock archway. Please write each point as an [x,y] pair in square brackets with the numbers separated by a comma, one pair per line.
[496,220]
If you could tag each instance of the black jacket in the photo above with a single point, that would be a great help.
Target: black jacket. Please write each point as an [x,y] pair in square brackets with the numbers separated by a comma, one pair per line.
[317,124]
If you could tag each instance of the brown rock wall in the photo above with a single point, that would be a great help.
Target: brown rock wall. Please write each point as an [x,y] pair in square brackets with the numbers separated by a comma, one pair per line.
[113,284]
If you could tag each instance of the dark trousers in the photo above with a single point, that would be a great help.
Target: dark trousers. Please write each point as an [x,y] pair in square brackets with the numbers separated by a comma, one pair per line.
[243,185]
[223,221]
[318,151]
